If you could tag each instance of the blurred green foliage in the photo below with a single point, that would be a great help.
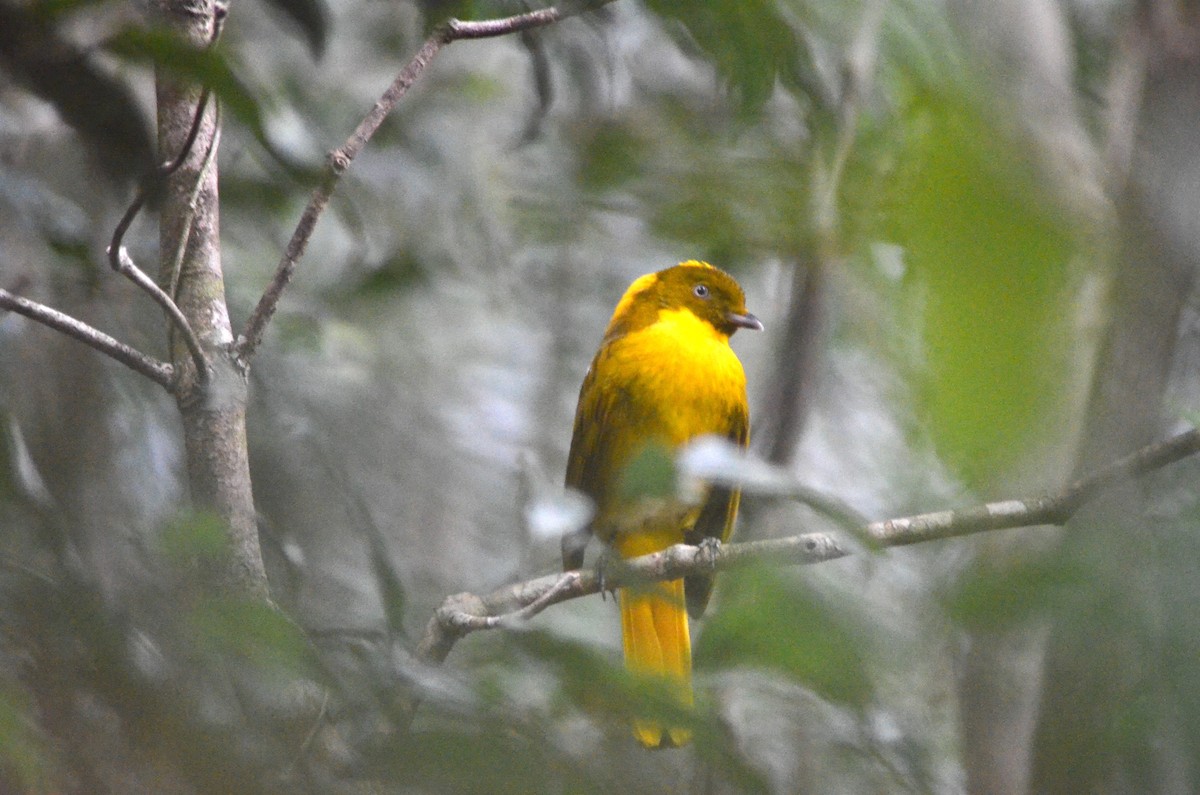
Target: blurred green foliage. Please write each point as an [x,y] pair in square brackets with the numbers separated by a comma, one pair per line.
[1177,626]
[101,107]
[754,45]
[23,756]
[996,599]
[771,620]
[190,538]
[441,323]
[987,256]
[600,686]
[649,474]
[251,633]
[492,759]
[719,193]
[215,68]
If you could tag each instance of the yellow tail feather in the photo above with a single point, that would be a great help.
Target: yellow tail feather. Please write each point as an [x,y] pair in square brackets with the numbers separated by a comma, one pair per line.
[654,628]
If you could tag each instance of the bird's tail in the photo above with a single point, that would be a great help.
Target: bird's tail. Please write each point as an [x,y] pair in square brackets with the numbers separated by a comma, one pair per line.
[654,628]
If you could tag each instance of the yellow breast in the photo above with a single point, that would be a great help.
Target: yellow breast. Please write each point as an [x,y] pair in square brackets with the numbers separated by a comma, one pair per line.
[685,370]
[682,380]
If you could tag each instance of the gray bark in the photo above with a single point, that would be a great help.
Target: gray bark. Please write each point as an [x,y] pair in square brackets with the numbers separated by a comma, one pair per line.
[1101,671]
[214,416]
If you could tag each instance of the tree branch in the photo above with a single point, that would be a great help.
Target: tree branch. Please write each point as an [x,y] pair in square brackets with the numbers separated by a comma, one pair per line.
[340,159]
[123,264]
[118,256]
[161,373]
[464,613]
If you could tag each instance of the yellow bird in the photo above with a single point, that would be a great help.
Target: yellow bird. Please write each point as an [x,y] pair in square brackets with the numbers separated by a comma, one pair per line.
[664,375]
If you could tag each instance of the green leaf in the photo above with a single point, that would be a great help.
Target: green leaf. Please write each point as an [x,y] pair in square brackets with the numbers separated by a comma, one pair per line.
[311,17]
[987,257]
[766,619]
[650,474]
[486,759]
[750,43]
[251,631]
[993,598]
[21,752]
[599,684]
[399,274]
[209,67]
[194,537]
[609,155]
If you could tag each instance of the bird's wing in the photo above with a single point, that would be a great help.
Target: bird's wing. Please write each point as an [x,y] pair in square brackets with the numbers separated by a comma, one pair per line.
[588,463]
[716,517]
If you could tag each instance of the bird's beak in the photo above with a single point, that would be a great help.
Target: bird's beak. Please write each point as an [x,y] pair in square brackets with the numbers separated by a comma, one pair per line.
[745,321]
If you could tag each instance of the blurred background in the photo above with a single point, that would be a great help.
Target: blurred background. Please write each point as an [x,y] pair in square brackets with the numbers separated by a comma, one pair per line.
[971,229]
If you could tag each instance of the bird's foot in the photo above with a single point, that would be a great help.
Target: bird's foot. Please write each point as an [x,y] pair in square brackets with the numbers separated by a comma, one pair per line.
[606,562]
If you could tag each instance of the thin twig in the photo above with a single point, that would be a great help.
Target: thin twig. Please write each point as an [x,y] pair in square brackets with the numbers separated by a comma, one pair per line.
[339,159]
[836,510]
[858,71]
[457,29]
[118,255]
[187,224]
[122,263]
[317,723]
[161,373]
[464,613]
[152,182]
[170,167]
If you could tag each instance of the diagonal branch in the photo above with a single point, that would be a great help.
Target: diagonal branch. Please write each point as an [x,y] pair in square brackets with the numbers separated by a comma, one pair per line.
[340,159]
[118,256]
[464,613]
[161,373]
[123,264]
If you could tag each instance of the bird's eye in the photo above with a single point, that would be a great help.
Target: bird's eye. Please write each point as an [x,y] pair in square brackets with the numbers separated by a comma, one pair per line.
[701,290]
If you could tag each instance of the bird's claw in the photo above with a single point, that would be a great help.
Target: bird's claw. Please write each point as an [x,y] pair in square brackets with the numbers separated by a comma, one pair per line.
[602,565]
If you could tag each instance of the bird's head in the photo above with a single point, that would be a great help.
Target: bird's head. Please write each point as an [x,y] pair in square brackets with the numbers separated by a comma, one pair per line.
[709,293]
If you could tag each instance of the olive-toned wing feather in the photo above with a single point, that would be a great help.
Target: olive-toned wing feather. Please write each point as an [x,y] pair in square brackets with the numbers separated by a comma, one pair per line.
[587,461]
[716,520]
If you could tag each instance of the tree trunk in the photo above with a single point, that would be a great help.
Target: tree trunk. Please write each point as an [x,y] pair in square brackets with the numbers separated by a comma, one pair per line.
[214,414]
[1107,722]
[792,388]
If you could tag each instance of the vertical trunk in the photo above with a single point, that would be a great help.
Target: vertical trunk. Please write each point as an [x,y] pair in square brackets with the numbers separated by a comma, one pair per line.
[1109,713]
[214,415]
[1100,673]
[1088,697]
[793,384]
